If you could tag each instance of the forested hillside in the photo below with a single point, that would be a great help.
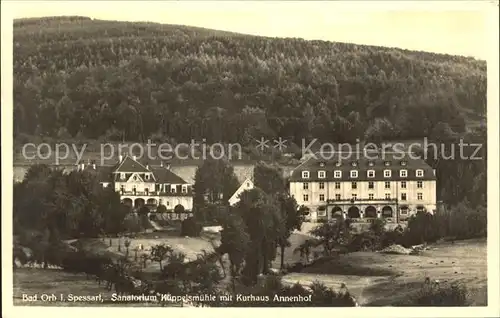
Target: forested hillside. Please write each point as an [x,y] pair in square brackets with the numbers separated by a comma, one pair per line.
[80,78]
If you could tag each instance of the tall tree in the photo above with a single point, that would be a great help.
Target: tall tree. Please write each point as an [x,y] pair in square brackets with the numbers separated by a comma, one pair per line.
[269,178]
[235,242]
[261,216]
[214,182]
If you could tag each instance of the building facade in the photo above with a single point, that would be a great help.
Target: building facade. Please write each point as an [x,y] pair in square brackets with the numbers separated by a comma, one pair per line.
[140,184]
[365,187]
[246,185]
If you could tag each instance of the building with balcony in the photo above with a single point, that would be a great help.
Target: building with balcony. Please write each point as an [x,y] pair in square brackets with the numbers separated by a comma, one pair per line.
[140,184]
[365,186]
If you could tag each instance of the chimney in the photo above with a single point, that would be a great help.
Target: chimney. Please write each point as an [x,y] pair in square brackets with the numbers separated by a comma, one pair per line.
[161,163]
[168,166]
[93,166]
[434,171]
[83,166]
[135,158]
[120,157]
[147,166]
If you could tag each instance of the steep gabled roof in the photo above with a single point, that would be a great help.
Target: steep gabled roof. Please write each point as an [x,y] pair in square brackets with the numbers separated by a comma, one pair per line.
[164,175]
[130,165]
[235,197]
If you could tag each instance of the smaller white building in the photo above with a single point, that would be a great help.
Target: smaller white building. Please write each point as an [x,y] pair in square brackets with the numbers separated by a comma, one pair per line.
[246,185]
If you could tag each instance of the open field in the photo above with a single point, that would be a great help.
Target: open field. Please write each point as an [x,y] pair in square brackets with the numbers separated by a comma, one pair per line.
[381,279]
[375,279]
[190,246]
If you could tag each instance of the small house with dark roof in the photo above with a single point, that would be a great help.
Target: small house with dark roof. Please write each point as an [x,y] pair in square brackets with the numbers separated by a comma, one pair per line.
[364,185]
[140,184]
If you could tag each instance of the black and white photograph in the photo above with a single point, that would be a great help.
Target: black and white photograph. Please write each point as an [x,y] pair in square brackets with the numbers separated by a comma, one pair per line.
[249,154]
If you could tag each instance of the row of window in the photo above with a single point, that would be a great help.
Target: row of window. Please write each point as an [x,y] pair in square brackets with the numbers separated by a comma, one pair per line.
[404,211]
[354,196]
[371,185]
[147,176]
[370,163]
[172,190]
[370,174]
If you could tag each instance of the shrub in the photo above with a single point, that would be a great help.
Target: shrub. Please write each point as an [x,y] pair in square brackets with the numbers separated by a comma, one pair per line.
[132,224]
[449,296]
[333,236]
[190,227]
[295,268]
[463,222]
[363,241]
[373,239]
[144,210]
[422,227]
[323,296]
[161,209]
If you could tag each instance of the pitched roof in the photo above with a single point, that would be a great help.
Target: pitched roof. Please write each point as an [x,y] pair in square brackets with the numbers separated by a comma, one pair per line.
[235,197]
[164,175]
[364,162]
[130,165]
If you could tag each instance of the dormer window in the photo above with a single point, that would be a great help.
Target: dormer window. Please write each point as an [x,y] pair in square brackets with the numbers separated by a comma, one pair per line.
[387,173]
[305,174]
[354,173]
[354,163]
[403,163]
[337,174]
[146,176]
[403,173]
[371,173]
[420,173]
[322,174]
[387,163]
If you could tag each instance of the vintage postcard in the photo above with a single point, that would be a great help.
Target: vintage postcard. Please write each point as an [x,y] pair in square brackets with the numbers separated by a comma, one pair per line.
[256,154]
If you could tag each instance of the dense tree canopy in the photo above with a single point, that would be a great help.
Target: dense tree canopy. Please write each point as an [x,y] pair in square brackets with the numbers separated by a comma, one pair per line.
[75,76]
[65,205]
[215,182]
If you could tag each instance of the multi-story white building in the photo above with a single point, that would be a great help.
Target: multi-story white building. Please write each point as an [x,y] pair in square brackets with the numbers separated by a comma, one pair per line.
[364,187]
[140,184]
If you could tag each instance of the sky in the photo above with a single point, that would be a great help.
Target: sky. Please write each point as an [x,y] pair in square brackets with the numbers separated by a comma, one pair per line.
[458,28]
